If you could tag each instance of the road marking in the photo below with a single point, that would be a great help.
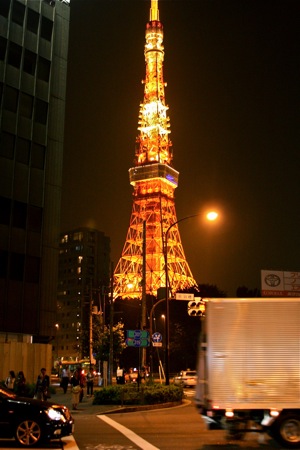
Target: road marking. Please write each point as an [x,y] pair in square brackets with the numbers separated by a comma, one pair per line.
[128,433]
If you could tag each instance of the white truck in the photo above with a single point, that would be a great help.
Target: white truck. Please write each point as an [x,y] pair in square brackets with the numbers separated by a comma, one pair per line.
[249,367]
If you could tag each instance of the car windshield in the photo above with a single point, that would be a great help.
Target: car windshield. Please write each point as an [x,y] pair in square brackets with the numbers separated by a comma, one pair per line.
[6,393]
[191,374]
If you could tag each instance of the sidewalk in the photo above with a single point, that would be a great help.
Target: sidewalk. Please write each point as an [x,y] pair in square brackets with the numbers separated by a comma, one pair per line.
[85,407]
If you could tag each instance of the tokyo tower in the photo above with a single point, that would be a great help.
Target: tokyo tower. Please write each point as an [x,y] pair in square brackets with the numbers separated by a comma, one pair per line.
[154,181]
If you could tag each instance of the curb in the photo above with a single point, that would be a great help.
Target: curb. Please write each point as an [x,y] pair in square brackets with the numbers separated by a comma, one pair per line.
[129,409]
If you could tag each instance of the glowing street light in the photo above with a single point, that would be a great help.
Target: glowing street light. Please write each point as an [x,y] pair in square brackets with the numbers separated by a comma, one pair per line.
[212,215]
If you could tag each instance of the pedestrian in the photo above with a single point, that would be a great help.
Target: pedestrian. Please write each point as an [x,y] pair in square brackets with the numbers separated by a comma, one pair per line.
[10,380]
[90,382]
[82,381]
[76,389]
[20,384]
[65,378]
[42,386]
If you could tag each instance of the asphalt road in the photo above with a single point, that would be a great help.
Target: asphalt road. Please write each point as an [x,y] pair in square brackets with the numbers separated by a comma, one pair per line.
[176,428]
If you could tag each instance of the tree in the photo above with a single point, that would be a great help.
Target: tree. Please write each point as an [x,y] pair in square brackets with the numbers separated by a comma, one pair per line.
[244,292]
[206,290]
[211,291]
[101,340]
[102,349]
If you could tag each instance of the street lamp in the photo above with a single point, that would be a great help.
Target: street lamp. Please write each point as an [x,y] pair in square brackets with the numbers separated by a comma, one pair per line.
[56,337]
[212,215]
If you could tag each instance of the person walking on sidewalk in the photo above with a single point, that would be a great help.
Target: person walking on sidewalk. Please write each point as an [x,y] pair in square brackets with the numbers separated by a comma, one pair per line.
[90,382]
[76,389]
[65,378]
[42,386]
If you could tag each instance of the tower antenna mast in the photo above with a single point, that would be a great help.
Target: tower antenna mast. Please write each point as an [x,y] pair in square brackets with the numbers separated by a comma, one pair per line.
[154,12]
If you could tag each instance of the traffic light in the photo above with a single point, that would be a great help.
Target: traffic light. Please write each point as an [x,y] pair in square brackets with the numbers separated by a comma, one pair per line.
[196,307]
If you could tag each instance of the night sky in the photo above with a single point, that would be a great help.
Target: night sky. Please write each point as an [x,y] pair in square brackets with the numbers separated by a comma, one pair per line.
[233,74]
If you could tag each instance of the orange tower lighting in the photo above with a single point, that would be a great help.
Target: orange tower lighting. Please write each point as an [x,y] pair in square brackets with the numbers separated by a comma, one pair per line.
[154,181]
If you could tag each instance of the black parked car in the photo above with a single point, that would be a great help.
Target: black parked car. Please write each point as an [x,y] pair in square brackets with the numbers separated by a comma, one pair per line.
[32,421]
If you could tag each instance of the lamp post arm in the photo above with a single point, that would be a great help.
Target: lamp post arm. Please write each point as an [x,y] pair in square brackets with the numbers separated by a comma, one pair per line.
[175,223]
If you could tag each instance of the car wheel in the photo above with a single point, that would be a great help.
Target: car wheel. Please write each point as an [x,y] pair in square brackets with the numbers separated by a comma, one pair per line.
[28,433]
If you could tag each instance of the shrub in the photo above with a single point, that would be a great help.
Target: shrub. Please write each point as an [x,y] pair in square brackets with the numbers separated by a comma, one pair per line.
[132,394]
[30,389]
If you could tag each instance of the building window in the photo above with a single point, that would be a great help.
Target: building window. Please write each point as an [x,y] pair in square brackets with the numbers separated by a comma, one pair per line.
[32,269]
[22,150]
[14,55]
[43,69]
[35,218]
[7,144]
[3,263]
[32,20]
[78,236]
[11,99]
[38,156]
[46,29]
[19,215]
[3,45]
[41,111]
[4,7]
[26,105]
[17,266]
[29,62]
[5,206]
[18,13]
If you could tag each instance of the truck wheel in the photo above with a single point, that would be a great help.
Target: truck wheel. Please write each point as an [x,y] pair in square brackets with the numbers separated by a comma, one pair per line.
[286,430]
[28,433]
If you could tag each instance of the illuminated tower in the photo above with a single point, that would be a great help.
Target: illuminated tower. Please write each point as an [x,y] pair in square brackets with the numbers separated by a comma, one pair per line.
[154,181]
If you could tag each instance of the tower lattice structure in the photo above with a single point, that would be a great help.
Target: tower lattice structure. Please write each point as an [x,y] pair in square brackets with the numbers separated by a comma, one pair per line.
[154,181]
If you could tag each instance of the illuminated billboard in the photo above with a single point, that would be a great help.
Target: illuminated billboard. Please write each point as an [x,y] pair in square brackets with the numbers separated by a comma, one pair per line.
[276,283]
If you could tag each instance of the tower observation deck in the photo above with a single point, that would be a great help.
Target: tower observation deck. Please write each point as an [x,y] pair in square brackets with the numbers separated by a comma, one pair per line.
[154,181]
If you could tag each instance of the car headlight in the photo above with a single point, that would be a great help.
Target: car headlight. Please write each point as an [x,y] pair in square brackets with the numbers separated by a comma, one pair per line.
[54,414]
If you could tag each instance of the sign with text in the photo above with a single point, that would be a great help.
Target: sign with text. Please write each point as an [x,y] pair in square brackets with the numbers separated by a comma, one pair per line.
[184,297]
[276,283]
[137,334]
[137,338]
[130,342]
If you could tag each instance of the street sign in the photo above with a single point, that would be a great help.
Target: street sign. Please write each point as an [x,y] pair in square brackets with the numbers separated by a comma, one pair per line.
[137,334]
[130,342]
[185,297]
[157,344]
[156,337]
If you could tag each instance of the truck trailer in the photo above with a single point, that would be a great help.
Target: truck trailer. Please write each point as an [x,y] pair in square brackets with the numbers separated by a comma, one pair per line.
[249,367]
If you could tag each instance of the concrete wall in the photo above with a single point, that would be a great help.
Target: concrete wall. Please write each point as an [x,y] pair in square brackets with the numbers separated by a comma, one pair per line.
[29,358]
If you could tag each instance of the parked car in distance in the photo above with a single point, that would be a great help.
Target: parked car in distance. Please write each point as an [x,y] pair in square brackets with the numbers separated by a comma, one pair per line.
[186,378]
[32,421]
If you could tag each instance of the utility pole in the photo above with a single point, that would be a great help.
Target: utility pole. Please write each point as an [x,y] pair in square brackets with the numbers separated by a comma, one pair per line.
[111,325]
[91,325]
